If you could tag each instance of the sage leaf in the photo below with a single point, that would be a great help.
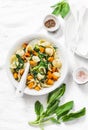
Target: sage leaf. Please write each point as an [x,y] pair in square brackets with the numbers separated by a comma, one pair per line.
[54,112]
[56,94]
[62,8]
[57,4]
[57,10]
[52,103]
[38,108]
[54,120]
[72,116]
[65,9]
[52,108]
[64,109]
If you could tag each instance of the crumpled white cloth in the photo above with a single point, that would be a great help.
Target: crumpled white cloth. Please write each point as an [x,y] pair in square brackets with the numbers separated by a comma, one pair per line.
[79,27]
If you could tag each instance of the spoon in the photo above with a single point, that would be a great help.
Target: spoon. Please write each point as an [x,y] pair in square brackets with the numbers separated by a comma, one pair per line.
[21,86]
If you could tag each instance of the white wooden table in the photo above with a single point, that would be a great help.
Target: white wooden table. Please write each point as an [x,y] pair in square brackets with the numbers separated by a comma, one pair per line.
[19,18]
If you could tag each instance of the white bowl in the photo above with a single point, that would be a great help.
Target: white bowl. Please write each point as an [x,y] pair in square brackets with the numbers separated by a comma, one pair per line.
[75,73]
[63,57]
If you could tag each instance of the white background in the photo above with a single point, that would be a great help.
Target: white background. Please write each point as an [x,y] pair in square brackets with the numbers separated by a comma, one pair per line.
[19,18]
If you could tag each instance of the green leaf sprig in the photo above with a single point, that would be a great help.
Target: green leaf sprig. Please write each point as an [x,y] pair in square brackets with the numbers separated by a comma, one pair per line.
[72,116]
[55,112]
[62,8]
[21,62]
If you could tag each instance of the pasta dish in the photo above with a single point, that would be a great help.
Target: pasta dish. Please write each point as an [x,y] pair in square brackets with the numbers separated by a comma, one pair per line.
[45,63]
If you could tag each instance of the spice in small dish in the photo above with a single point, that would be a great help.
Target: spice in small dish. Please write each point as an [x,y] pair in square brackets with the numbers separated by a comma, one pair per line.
[80,75]
[50,23]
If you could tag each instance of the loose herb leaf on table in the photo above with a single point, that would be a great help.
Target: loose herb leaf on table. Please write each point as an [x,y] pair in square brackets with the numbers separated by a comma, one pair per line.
[38,108]
[55,120]
[55,112]
[57,10]
[62,8]
[64,109]
[56,94]
[72,116]
[51,108]
[65,10]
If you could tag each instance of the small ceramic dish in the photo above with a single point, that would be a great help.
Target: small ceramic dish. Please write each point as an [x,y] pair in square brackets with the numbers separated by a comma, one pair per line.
[80,75]
[54,26]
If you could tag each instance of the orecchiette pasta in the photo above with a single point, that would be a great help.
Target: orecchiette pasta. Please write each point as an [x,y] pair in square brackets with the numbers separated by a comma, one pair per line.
[57,63]
[29,48]
[45,64]
[50,67]
[49,51]
[44,43]
[32,82]
[56,74]
[13,61]
[40,76]
[20,52]
[36,59]
[45,85]
[42,70]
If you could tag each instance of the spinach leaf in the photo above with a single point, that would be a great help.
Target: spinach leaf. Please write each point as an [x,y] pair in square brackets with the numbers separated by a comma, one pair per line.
[35,68]
[35,74]
[64,109]
[41,64]
[56,94]
[72,116]
[55,47]
[36,48]
[38,108]
[21,62]
[44,64]
[42,55]
[20,59]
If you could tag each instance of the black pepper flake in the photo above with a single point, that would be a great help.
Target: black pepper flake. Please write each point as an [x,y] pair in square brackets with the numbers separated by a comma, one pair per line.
[50,23]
